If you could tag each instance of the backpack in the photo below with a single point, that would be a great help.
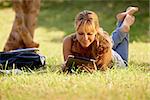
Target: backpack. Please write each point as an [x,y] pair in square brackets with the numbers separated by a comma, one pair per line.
[21,58]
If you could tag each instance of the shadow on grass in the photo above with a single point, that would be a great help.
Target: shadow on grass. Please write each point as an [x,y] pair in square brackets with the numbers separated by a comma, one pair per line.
[60,16]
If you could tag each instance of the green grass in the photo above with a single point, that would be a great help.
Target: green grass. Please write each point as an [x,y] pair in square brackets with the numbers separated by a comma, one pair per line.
[116,84]
[129,84]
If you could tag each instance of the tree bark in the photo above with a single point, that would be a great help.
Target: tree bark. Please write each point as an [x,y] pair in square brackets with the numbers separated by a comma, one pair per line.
[22,33]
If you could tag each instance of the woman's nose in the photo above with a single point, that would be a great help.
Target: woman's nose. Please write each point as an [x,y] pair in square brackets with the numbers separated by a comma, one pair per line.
[85,37]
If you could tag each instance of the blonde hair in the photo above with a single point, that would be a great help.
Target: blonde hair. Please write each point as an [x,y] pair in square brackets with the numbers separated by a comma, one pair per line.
[87,20]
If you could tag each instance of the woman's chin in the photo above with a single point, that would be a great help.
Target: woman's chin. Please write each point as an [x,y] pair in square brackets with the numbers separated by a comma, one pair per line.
[85,45]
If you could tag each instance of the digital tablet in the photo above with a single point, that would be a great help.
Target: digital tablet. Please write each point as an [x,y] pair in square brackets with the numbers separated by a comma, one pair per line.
[74,61]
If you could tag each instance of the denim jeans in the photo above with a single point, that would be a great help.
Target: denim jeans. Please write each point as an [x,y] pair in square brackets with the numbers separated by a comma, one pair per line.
[120,47]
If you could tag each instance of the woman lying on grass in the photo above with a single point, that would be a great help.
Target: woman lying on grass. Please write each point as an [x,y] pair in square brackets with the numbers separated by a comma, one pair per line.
[90,41]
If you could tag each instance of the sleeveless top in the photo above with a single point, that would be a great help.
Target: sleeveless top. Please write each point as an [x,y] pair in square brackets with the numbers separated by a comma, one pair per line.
[96,50]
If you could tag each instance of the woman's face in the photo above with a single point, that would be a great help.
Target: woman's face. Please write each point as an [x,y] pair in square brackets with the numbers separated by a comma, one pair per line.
[86,28]
[85,38]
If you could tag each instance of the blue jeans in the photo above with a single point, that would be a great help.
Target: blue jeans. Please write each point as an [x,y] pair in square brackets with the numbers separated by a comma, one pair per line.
[120,46]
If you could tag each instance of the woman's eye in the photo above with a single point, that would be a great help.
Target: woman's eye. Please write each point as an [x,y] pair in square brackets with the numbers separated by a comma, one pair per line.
[80,33]
[89,33]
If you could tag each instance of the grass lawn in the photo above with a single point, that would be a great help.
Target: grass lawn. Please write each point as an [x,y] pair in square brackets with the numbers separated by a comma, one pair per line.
[132,83]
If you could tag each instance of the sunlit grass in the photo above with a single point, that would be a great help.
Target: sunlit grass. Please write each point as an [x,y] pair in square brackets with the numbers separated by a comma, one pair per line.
[114,84]
[5,28]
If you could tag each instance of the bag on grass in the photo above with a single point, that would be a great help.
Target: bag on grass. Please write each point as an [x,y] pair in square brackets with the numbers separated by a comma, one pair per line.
[21,58]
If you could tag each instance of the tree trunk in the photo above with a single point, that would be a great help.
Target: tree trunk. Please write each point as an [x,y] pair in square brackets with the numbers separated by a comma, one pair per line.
[22,32]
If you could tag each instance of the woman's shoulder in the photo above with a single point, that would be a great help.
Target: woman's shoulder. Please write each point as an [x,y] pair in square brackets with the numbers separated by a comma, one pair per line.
[102,33]
[70,38]
[104,38]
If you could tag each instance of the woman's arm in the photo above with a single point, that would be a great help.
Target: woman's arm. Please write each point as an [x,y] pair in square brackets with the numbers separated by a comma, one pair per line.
[67,47]
[106,60]
[104,52]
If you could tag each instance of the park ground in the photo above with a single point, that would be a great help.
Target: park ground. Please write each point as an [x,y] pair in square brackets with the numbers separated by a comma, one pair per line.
[55,21]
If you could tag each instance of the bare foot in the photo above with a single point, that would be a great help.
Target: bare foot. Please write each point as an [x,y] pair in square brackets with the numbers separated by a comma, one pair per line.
[128,21]
[130,11]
